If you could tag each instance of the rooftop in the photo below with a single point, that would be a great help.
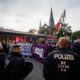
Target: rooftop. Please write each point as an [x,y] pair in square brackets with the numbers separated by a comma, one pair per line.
[20,32]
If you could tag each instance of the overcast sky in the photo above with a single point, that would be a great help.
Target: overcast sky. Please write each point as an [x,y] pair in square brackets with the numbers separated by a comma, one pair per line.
[23,15]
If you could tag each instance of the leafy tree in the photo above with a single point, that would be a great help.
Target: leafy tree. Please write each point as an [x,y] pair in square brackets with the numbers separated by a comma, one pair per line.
[75,35]
[65,30]
[46,30]
[32,31]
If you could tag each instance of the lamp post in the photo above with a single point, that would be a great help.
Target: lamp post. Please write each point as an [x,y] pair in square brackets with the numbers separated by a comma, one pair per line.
[45,35]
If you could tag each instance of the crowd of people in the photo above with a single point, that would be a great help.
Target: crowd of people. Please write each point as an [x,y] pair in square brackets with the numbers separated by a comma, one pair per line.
[62,61]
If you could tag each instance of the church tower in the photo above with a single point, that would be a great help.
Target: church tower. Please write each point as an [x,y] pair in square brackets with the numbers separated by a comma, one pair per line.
[51,20]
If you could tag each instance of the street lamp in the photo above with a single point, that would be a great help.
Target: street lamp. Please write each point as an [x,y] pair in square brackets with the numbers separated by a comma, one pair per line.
[45,35]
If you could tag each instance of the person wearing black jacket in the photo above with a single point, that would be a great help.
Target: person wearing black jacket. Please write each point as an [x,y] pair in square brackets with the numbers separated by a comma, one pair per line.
[2,62]
[62,64]
[16,68]
[5,47]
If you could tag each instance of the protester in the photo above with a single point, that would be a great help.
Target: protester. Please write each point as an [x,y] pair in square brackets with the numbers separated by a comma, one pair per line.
[62,64]
[75,47]
[15,66]
[2,60]
[10,48]
[5,46]
[1,47]
[41,41]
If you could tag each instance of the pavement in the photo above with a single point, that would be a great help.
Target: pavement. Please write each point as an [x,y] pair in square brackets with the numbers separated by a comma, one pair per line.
[36,73]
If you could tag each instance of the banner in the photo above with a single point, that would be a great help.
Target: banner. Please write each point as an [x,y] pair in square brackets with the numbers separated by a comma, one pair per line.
[26,49]
[40,51]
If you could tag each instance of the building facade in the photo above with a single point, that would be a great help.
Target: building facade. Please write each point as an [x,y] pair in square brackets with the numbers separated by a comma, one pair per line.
[7,34]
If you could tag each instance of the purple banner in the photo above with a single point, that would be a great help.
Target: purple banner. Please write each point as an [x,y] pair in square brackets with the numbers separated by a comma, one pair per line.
[40,51]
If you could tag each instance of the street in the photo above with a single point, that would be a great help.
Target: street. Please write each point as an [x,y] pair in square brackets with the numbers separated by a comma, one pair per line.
[36,73]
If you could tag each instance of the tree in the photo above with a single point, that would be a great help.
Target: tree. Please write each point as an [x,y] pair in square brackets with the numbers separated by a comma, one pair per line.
[45,29]
[32,31]
[75,35]
[65,30]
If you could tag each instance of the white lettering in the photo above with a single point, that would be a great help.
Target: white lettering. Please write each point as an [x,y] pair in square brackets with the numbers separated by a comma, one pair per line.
[39,51]
[64,56]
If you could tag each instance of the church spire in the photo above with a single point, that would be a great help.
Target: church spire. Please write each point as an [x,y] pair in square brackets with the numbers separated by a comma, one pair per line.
[51,20]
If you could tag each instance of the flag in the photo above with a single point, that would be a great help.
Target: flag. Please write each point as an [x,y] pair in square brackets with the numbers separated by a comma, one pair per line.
[52,37]
[13,41]
[58,25]
[64,13]
[63,16]
[62,20]
[54,31]
[58,32]
[55,35]
[25,39]
[17,39]
[21,40]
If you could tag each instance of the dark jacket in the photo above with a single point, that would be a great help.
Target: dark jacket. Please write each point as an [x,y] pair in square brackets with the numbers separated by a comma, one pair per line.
[62,64]
[2,64]
[15,67]
[76,47]
[5,48]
